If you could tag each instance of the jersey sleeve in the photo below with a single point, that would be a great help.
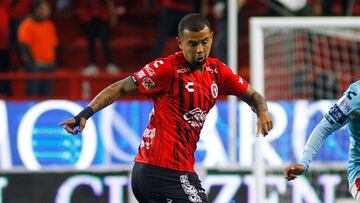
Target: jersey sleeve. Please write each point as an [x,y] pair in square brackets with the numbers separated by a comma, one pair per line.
[231,84]
[154,77]
[316,140]
[334,119]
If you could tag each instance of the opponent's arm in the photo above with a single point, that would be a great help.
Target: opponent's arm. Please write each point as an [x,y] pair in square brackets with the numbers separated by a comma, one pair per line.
[312,146]
[258,105]
[337,116]
[106,97]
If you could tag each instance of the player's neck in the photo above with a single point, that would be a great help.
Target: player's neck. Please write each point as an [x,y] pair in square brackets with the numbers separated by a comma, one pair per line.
[200,68]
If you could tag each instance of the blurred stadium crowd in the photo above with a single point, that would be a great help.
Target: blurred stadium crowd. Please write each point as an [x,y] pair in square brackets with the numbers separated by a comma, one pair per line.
[73,42]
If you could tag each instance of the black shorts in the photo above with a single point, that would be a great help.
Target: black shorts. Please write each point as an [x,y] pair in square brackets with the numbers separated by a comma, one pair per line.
[157,184]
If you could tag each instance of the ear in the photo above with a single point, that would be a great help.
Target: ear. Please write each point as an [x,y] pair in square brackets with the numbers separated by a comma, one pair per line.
[178,41]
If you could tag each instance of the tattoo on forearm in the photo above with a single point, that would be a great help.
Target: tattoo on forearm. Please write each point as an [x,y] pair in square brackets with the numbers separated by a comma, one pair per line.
[106,97]
[258,102]
[111,93]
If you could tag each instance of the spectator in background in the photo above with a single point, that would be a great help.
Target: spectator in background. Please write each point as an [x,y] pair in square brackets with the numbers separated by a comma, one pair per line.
[290,7]
[4,45]
[38,41]
[219,12]
[346,7]
[169,17]
[96,16]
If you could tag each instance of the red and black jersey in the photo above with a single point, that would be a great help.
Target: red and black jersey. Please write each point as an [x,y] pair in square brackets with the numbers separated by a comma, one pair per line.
[182,99]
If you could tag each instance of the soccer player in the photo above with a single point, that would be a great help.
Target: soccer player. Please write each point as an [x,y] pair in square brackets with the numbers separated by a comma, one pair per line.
[184,87]
[345,111]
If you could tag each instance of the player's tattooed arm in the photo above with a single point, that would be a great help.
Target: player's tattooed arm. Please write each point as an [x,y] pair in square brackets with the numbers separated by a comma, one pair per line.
[258,105]
[254,100]
[111,93]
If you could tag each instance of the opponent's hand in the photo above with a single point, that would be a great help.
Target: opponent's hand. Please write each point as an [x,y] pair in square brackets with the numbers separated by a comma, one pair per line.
[264,123]
[293,171]
[71,124]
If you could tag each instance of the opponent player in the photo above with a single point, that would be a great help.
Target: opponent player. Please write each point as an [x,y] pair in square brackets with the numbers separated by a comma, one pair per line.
[184,87]
[345,111]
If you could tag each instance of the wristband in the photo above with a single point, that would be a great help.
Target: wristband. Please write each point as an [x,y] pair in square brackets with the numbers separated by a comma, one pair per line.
[85,113]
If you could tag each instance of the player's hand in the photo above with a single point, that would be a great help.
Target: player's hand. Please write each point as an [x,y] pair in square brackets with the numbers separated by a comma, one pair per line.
[264,123]
[293,171]
[354,115]
[71,124]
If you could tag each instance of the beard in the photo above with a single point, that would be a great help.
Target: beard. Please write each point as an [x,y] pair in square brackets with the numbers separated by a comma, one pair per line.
[197,63]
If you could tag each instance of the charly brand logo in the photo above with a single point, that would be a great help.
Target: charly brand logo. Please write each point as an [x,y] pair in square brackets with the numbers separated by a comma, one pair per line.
[148,83]
[189,189]
[195,117]
[214,90]
[190,86]
[157,62]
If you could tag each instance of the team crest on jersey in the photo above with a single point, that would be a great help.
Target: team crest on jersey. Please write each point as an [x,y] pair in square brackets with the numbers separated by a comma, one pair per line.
[214,90]
[148,83]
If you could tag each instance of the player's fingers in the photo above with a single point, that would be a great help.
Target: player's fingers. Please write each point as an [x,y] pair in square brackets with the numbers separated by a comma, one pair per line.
[260,128]
[67,122]
[288,178]
[264,129]
[82,125]
[70,129]
[258,131]
[270,125]
[64,122]
[297,171]
[81,128]
[286,171]
[292,176]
